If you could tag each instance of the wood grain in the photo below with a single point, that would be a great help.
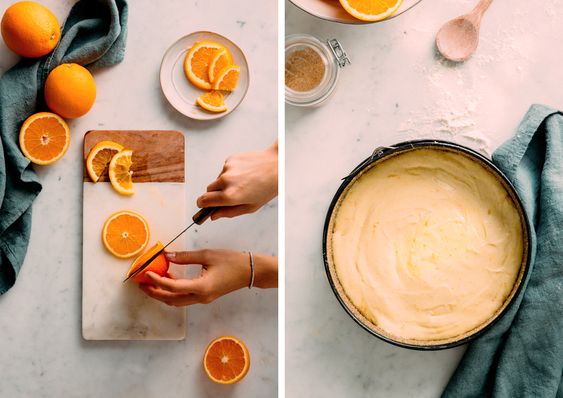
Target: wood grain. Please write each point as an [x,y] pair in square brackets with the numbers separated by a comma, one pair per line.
[158,155]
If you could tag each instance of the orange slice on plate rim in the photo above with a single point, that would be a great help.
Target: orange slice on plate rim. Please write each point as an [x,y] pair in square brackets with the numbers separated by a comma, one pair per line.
[371,10]
[125,234]
[100,157]
[226,360]
[44,138]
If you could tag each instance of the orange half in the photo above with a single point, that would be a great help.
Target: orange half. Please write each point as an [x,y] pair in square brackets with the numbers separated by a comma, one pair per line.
[44,138]
[226,360]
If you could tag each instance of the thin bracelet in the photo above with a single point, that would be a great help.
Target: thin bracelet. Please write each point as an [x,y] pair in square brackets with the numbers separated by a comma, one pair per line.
[251,270]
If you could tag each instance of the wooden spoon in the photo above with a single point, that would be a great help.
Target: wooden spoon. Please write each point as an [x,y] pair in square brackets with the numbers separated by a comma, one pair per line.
[457,40]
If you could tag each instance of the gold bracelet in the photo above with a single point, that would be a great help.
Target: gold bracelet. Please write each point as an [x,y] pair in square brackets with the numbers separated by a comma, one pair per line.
[251,270]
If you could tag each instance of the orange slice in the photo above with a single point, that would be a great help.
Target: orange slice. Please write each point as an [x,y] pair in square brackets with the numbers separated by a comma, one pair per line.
[371,10]
[227,79]
[125,234]
[44,138]
[120,174]
[220,61]
[99,158]
[198,59]
[226,360]
[159,265]
[212,101]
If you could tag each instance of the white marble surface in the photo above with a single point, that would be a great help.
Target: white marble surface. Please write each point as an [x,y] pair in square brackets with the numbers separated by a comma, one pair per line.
[396,89]
[43,353]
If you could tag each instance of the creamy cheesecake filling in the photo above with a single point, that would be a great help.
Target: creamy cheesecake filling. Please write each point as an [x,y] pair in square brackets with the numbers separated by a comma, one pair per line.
[427,245]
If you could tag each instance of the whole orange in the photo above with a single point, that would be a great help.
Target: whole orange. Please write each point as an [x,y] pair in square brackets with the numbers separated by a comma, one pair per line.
[29,29]
[70,90]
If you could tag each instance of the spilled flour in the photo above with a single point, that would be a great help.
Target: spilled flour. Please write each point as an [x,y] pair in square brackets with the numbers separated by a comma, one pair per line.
[452,116]
[461,101]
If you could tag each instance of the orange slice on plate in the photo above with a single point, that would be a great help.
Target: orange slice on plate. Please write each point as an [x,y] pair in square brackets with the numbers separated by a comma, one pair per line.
[125,234]
[44,138]
[220,61]
[99,158]
[212,101]
[198,59]
[226,360]
[371,10]
[120,174]
[227,79]
[159,265]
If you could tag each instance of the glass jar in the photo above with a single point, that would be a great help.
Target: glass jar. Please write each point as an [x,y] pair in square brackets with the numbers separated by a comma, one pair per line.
[329,53]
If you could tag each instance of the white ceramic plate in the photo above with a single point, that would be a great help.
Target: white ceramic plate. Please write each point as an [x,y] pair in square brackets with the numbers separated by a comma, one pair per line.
[331,10]
[181,93]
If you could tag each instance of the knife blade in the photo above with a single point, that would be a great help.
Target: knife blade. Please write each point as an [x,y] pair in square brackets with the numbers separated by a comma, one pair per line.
[198,218]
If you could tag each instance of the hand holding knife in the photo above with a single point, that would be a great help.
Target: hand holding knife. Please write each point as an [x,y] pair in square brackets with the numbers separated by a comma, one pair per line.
[198,218]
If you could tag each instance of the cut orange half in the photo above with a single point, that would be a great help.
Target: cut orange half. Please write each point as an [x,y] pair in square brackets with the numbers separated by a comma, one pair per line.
[198,59]
[125,234]
[99,158]
[212,101]
[44,138]
[226,360]
[159,265]
[371,10]
[220,61]
[227,79]
[120,174]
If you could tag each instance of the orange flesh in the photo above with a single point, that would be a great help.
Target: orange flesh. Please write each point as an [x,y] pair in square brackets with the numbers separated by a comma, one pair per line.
[45,138]
[126,234]
[225,360]
[372,7]
[102,159]
[230,80]
[144,257]
[201,60]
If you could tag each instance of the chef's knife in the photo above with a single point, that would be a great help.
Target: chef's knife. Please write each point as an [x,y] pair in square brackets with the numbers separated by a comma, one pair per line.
[199,218]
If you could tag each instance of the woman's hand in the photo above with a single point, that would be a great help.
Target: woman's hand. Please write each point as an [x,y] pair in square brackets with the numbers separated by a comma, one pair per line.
[223,271]
[247,183]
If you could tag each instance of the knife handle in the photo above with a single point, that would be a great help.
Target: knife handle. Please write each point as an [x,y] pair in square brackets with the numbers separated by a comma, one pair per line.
[203,214]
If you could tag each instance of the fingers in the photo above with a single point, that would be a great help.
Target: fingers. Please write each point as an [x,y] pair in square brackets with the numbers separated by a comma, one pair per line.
[168,298]
[232,211]
[181,286]
[214,199]
[188,257]
[217,185]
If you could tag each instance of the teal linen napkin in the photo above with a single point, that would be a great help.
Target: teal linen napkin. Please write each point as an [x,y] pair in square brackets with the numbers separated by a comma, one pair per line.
[522,355]
[93,35]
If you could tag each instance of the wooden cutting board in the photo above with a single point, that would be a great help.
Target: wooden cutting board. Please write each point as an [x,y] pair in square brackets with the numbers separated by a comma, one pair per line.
[112,310]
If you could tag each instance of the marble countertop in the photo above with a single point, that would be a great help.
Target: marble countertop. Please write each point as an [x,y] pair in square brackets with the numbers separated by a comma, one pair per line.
[43,353]
[397,88]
